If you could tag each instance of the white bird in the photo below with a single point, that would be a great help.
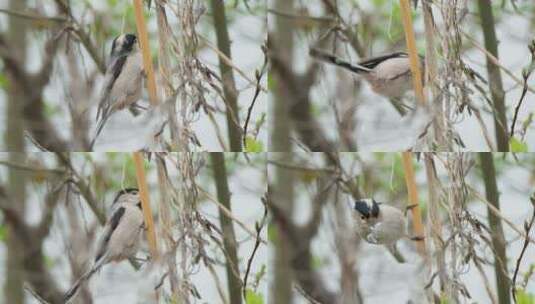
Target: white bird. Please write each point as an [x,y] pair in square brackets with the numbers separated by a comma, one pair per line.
[123,81]
[389,75]
[120,238]
[380,223]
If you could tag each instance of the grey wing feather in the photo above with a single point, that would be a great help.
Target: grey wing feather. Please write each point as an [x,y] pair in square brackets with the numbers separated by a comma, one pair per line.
[104,106]
[100,258]
[112,74]
[112,224]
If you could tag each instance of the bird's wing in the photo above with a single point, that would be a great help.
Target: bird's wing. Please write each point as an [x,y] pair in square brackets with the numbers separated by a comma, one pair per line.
[112,74]
[99,259]
[329,58]
[371,63]
[112,224]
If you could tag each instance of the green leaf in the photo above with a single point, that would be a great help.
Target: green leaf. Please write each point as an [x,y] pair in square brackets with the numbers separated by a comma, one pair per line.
[517,146]
[3,81]
[524,297]
[272,233]
[253,145]
[252,297]
[3,233]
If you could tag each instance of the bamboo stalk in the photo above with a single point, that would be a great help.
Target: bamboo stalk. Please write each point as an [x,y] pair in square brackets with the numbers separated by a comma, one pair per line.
[411,48]
[417,225]
[145,50]
[145,203]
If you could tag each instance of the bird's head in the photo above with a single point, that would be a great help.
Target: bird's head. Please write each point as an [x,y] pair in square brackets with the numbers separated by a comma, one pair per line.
[367,208]
[124,44]
[127,196]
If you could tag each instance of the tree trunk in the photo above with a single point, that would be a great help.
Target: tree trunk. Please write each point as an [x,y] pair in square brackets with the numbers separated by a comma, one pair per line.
[14,291]
[498,239]
[229,238]
[229,86]
[282,195]
[280,121]
[495,78]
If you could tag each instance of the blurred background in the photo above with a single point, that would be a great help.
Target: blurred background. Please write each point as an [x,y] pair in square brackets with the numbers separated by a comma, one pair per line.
[470,227]
[69,42]
[63,199]
[329,108]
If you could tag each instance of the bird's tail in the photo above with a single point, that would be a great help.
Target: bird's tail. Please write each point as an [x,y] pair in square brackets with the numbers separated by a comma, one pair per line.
[76,286]
[100,126]
[329,58]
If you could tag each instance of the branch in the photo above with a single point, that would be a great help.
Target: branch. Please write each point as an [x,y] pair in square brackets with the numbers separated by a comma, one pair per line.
[525,75]
[301,260]
[83,37]
[31,89]
[298,87]
[83,187]
[258,240]
[229,85]
[37,274]
[527,228]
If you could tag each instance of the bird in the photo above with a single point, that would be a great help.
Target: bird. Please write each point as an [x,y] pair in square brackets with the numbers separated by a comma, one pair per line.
[389,75]
[123,80]
[120,238]
[380,223]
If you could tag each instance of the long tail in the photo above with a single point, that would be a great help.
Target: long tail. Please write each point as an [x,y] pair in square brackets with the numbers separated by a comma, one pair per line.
[329,58]
[74,289]
[100,126]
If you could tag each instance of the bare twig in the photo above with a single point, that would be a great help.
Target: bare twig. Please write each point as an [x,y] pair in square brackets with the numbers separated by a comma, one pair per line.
[525,75]
[230,215]
[497,62]
[258,228]
[527,229]
[258,76]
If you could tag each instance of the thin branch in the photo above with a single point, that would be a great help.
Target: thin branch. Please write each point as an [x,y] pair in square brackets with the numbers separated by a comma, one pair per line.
[256,93]
[229,62]
[525,75]
[258,227]
[498,213]
[497,62]
[230,215]
[31,16]
[527,228]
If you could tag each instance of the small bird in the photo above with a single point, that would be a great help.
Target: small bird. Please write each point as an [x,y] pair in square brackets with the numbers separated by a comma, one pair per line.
[123,81]
[120,238]
[380,223]
[389,75]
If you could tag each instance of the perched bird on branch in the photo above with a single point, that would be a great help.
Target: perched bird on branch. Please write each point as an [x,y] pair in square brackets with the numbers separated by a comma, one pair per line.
[120,238]
[123,81]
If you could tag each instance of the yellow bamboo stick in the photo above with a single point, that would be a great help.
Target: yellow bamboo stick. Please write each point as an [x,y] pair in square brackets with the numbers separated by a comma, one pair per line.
[145,203]
[145,50]
[411,49]
[417,225]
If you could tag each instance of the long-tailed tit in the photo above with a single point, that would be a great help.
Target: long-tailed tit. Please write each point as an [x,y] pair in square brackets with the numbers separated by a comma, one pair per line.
[120,238]
[380,223]
[123,81]
[389,75]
